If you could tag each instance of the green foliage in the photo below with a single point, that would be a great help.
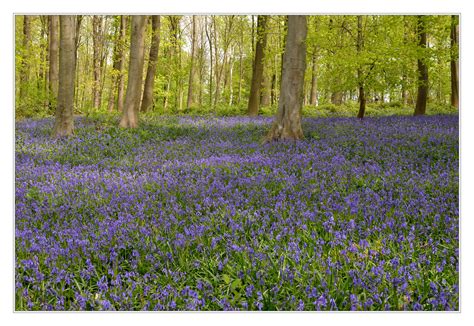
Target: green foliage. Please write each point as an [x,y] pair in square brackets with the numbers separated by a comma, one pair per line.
[385,63]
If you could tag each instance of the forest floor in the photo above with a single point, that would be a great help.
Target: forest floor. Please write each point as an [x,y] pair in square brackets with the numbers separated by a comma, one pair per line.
[189,213]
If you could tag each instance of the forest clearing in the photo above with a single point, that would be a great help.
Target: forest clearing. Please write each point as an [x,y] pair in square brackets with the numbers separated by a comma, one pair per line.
[234,162]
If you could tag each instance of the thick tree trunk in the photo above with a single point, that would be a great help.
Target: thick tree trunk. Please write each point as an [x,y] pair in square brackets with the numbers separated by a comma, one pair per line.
[135,72]
[64,122]
[314,82]
[53,59]
[454,62]
[190,99]
[422,96]
[257,74]
[147,101]
[287,123]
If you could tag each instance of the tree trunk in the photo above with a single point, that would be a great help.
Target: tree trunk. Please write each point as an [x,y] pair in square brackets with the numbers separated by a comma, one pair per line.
[209,39]
[201,62]
[273,90]
[257,74]
[454,62]
[135,72]
[121,77]
[97,47]
[287,124]
[25,66]
[117,54]
[404,90]
[314,82]
[147,101]
[360,77]
[422,96]
[241,44]
[64,122]
[190,100]
[231,73]
[53,59]
[265,91]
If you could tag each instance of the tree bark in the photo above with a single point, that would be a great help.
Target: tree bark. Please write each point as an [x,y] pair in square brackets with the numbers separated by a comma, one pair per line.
[147,101]
[454,62]
[135,72]
[97,45]
[257,75]
[287,124]
[209,39]
[190,99]
[25,66]
[121,76]
[64,122]
[314,82]
[360,77]
[265,97]
[53,59]
[422,96]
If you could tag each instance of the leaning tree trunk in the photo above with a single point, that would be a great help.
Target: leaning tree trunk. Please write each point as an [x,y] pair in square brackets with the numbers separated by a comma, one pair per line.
[287,124]
[454,62]
[135,72]
[257,75]
[64,123]
[147,100]
[422,96]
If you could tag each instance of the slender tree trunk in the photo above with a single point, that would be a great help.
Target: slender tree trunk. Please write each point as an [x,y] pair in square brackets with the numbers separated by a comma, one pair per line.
[53,59]
[257,74]
[287,123]
[121,76]
[231,72]
[115,69]
[265,91]
[404,90]
[360,77]
[190,99]
[77,42]
[454,62]
[64,122]
[422,96]
[241,44]
[314,82]
[201,62]
[273,90]
[25,66]
[97,45]
[135,72]
[147,101]
[209,39]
